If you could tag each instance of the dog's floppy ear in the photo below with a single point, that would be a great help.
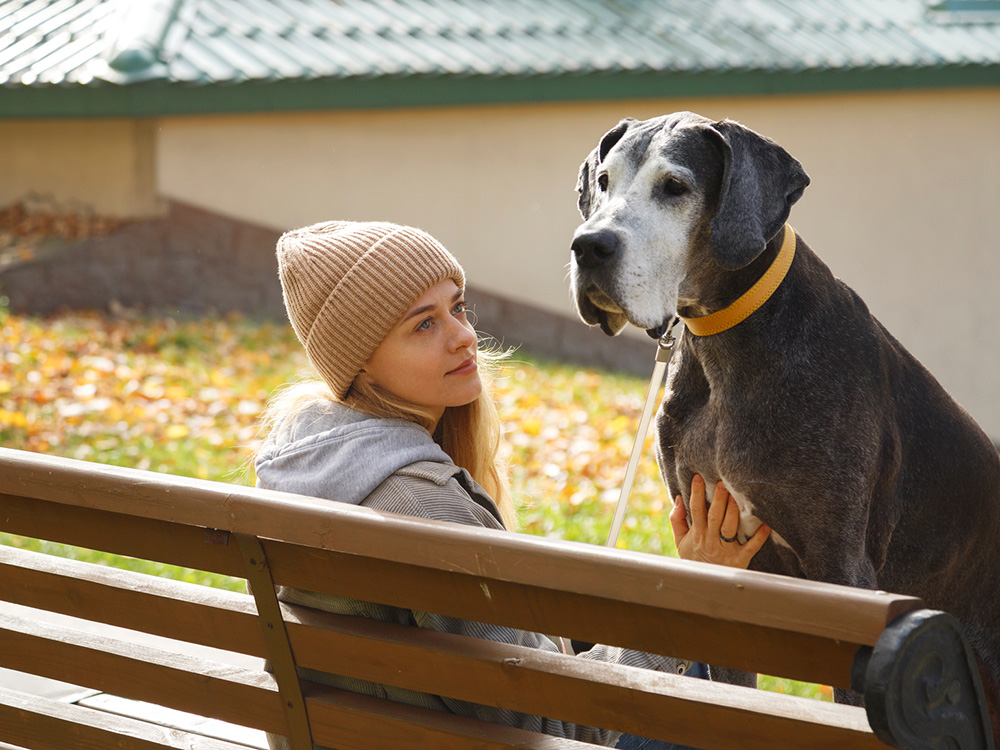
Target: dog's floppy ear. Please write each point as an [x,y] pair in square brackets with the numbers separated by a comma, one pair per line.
[585,184]
[609,139]
[760,182]
[585,180]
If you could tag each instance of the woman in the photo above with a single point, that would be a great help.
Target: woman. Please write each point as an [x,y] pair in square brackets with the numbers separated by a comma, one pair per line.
[403,420]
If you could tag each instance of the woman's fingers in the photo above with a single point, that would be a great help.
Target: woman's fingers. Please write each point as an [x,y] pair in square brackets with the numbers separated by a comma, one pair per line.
[678,520]
[730,526]
[718,509]
[754,543]
[699,515]
[710,536]
[723,515]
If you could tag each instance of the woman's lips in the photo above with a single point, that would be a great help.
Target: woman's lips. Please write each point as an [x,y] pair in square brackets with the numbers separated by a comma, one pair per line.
[467,367]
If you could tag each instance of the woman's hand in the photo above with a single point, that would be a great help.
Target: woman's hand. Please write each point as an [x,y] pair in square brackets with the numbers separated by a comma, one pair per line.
[705,539]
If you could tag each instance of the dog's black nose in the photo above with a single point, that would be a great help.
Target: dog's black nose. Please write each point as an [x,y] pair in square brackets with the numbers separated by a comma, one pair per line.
[593,248]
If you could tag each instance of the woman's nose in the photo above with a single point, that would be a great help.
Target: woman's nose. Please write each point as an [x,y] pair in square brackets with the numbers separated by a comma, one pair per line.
[463,335]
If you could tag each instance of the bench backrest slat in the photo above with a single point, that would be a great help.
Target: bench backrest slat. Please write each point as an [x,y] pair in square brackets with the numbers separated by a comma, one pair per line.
[44,724]
[160,606]
[351,721]
[121,534]
[592,618]
[137,671]
[663,706]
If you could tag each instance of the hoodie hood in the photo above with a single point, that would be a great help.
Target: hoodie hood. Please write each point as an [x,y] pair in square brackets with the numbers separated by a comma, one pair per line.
[330,450]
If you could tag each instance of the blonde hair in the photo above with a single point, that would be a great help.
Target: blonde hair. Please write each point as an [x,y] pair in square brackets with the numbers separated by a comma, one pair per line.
[472,435]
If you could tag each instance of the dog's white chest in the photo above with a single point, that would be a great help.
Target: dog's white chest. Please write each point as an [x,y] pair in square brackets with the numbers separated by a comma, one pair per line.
[749,523]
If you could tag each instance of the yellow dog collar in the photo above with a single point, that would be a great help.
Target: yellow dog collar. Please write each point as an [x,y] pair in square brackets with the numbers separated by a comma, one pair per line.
[753,298]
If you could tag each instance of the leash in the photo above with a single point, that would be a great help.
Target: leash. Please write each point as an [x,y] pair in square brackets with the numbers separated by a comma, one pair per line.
[664,351]
[706,325]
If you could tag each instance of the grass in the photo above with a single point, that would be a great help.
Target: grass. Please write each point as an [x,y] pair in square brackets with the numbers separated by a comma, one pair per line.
[182,397]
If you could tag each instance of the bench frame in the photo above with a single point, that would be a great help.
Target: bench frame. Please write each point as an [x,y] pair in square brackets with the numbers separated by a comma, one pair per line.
[913,665]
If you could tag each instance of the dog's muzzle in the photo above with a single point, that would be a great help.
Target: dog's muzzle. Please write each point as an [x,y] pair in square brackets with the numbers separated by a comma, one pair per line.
[594,255]
[594,249]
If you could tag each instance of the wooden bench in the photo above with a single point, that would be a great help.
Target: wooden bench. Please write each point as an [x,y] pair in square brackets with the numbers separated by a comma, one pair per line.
[912,664]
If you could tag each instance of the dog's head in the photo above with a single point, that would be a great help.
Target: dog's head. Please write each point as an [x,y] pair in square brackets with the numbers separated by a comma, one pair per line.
[663,197]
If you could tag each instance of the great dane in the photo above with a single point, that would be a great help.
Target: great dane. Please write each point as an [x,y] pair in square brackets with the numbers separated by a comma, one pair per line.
[817,420]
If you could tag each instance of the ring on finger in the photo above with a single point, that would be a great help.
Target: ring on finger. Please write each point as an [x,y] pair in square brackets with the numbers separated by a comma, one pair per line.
[727,539]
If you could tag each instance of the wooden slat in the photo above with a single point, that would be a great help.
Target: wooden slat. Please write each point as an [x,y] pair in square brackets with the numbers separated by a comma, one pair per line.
[41,724]
[754,598]
[666,628]
[771,601]
[131,670]
[179,720]
[628,699]
[349,721]
[150,604]
[713,721]
[121,534]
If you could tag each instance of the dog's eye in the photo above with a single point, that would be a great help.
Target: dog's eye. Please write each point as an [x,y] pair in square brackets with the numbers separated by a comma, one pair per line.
[602,181]
[674,187]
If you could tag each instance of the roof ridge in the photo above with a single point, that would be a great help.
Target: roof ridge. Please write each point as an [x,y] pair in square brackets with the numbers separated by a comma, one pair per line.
[84,55]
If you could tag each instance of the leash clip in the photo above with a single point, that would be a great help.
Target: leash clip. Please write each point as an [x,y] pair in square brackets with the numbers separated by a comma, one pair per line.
[665,344]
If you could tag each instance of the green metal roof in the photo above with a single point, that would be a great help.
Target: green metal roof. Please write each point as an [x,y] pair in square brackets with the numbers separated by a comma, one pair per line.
[148,57]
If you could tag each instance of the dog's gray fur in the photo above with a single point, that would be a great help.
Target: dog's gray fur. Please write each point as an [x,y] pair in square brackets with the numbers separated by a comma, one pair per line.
[818,421]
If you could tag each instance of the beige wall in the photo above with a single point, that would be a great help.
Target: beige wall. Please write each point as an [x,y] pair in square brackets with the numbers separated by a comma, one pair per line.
[904,203]
[105,166]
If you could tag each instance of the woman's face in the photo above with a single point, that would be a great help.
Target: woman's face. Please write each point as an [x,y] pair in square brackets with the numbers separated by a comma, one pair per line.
[429,357]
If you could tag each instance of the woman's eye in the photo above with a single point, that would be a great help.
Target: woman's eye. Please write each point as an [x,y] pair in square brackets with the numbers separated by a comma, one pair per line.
[602,181]
[674,187]
[425,324]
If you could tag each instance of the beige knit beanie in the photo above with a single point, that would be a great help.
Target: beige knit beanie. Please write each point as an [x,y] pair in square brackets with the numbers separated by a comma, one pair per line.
[346,284]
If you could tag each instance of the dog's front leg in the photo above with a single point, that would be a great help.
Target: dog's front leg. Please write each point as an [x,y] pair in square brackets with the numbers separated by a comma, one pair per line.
[818,530]
[732,676]
[848,697]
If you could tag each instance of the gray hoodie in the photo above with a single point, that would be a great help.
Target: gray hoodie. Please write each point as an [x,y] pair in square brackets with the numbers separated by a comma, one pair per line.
[332,452]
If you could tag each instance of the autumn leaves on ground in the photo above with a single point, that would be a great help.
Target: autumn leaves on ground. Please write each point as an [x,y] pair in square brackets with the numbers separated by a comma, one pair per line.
[182,396]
